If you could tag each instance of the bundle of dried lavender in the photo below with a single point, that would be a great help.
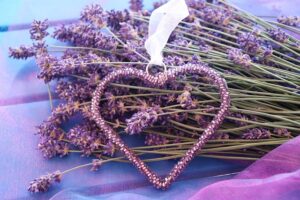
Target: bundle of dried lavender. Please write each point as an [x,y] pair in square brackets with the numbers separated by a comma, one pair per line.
[259,60]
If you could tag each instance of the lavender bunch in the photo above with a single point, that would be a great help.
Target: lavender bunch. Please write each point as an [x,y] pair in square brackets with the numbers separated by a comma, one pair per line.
[259,60]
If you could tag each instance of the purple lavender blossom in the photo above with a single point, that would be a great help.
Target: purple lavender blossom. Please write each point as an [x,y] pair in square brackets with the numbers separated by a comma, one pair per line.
[142,120]
[45,62]
[239,116]
[52,67]
[196,4]
[257,133]
[109,149]
[75,91]
[220,136]
[283,132]
[86,137]
[289,20]
[201,120]
[237,57]
[51,147]
[38,29]
[157,4]
[173,61]
[82,34]
[115,18]
[22,52]
[216,16]
[51,135]
[278,35]
[249,42]
[136,5]
[267,52]
[185,100]
[94,13]
[127,32]
[155,139]
[43,183]
[179,117]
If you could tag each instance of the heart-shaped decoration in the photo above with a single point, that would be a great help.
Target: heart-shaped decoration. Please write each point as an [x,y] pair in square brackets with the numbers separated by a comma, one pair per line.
[157,81]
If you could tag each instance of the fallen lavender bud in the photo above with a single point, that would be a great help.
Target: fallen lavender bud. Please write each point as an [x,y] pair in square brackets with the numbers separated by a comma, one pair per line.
[43,183]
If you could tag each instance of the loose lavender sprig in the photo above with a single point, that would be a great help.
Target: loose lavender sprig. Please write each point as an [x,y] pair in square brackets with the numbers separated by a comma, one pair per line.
[43,183]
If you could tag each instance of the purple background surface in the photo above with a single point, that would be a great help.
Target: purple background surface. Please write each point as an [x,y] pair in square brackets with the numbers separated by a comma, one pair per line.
[24,104]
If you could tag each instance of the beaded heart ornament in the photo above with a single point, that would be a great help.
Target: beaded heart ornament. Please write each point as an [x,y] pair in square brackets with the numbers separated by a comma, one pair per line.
[156,81]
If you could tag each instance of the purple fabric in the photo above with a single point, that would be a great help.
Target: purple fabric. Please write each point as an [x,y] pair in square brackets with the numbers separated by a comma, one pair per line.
[24,104]
[276,176]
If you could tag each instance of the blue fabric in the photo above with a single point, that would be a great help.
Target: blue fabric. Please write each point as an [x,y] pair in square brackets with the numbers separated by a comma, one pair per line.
[24,104]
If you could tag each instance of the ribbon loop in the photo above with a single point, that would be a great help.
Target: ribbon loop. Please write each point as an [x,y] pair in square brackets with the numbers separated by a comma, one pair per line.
[162,22]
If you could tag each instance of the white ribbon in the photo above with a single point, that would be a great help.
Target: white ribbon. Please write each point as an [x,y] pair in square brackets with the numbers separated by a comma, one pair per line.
[163,21]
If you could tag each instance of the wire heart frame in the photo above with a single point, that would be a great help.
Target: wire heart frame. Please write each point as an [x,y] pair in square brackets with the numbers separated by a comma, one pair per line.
[156,81]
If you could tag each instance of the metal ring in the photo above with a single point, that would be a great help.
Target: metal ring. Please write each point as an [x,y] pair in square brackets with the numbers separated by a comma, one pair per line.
[149,64]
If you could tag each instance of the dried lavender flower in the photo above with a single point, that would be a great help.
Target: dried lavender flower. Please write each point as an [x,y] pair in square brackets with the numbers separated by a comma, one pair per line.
[282,132]
[185,100]
[43,183]
[249,42]
[196,4]
[289,20]
[51,147]
[75,91]
[86,137]
[136,5]
[239,116]
[127,32]
[216,16]
[220,136]
[278,35]
[114,18]
[142,120]
[38,29]
[155,139]
[82,34]
[237,57]
[94,13]
[173,61]
[22,52]
[257,133]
